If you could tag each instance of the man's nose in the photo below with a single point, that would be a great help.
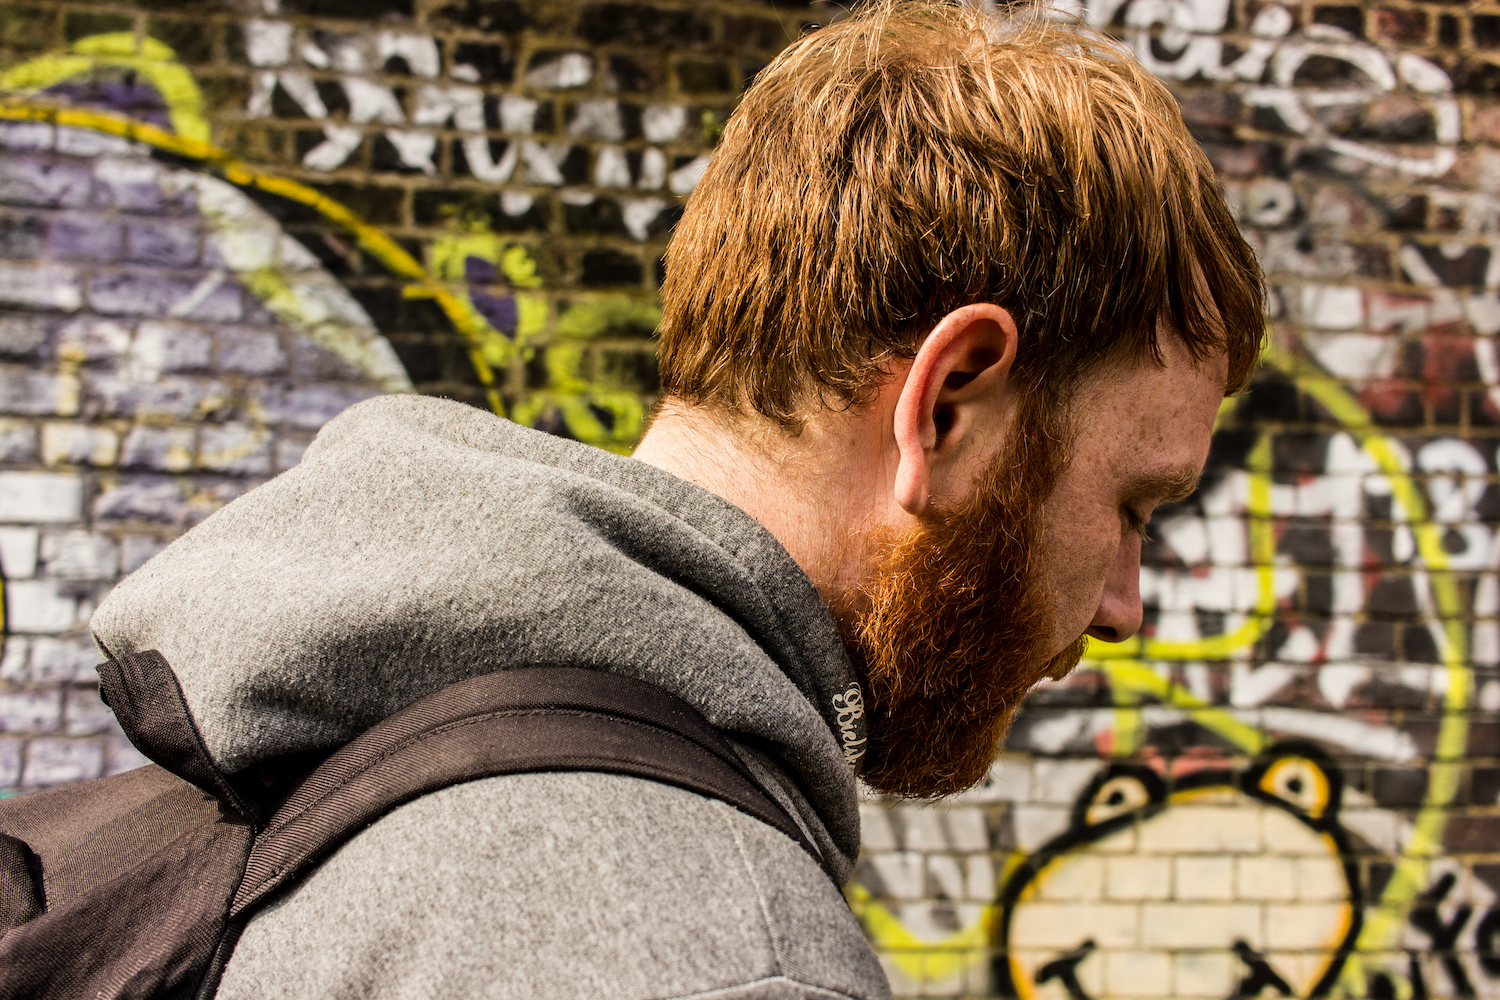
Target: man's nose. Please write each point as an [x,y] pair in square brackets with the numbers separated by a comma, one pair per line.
[1118,616]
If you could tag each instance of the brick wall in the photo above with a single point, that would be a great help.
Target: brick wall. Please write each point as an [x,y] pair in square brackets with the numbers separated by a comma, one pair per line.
[220,224]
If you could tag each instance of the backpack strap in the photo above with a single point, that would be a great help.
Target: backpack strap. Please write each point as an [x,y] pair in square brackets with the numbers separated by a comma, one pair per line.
[516,721]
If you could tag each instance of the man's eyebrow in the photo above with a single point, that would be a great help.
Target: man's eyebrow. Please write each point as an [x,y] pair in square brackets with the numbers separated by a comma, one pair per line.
[1167,486]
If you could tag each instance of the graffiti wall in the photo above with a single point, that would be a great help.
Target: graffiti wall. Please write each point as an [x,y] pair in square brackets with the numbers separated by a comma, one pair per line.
[1287,785]
[220,223]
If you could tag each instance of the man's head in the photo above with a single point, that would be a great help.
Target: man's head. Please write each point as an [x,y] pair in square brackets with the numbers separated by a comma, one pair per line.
[889,169]
[982,281]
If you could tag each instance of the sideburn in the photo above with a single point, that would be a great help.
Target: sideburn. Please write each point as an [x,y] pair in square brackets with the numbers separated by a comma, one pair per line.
[949,640]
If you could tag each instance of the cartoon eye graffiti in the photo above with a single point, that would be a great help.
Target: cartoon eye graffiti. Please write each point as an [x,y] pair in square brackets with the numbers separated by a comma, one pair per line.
[1300,782]
[1116,797]
[1186,889]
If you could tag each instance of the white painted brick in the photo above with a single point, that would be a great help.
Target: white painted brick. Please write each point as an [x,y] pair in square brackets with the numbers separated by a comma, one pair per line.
[30,711]
[1090,974]
[1205,974]
[1009,780]
[1060,781]
[289,452]
[88,142]
[12,748]
[923,829]
[1205,829]
[84,714]
[1333,307]
[967,830]
[58,659]
[1295,926]
[1079,877]
[48,287]
[1304,967]
[902,872]
[18,552]
[26,135]
[38,393]
[945,876]
[1137,974]
[1319,879]
[1265,877]
[165,449]
[902,985]
[981,883]
[931,922]
[168,347]
[80,555]
[1064,926]
[60,761]
[40,497]
[235,448]
[1200,925]
[1132,876]
[120,755]
[93,338]
[1203,878]
[875,828]
[1035,825]
[1381,827]
[136,549]
[79,444]
[42,606]
[17,441]
[14,659]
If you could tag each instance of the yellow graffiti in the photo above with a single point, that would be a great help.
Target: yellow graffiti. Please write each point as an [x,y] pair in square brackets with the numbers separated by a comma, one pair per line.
[1132,679]
[593,411]
[584,403]
[610,417]
[924,961]
[153,60]
[449,254]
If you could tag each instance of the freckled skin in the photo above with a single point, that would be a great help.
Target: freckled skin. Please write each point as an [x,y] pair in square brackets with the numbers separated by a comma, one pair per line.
[1147,419]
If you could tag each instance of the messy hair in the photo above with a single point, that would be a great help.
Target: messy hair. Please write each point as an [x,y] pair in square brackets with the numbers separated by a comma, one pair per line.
[921,156]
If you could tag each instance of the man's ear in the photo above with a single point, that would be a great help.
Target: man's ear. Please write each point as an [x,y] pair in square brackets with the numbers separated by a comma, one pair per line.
[956,380]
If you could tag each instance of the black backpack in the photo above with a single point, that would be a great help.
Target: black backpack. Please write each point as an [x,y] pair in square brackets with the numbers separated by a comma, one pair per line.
[138,885]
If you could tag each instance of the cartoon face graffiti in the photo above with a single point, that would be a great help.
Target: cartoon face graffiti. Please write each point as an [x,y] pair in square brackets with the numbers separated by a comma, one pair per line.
[1227,885]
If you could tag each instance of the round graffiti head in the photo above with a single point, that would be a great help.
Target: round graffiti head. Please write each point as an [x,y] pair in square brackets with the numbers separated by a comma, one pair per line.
[1227,884]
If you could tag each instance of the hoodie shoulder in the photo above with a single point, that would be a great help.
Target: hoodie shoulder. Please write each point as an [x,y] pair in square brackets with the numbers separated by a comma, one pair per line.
[560,885]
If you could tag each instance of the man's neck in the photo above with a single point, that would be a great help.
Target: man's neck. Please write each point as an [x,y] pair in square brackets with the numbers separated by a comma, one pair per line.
[815,491]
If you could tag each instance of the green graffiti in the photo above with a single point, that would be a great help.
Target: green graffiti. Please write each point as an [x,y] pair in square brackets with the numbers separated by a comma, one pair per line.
[609,416]
[449,255]
[589,408]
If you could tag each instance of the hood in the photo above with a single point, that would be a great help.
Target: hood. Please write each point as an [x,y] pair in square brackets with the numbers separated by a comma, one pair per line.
[421,542]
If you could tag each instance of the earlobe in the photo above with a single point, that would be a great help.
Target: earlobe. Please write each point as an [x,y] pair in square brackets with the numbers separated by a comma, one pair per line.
[958,371]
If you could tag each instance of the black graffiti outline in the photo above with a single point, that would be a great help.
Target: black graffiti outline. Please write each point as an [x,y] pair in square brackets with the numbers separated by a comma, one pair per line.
[1486,945]
[1248,780]
[1065,968]
[1261,974]
[1424,917]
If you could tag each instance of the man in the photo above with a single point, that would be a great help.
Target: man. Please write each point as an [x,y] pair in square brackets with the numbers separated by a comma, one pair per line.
[951,311]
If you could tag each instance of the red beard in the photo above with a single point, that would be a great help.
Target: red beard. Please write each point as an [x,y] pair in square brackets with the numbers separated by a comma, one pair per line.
[949,636]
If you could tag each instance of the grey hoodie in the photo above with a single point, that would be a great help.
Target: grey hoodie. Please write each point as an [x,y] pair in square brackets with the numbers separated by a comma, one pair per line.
[421,542]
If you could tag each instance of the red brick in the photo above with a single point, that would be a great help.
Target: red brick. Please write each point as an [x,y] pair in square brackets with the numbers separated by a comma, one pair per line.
[1404,27]
[1472,833]
[1485,125]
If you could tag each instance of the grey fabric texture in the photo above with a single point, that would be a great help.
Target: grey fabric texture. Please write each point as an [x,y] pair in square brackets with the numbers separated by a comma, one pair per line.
[421,542]
[560,886]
